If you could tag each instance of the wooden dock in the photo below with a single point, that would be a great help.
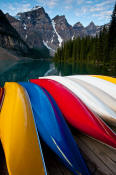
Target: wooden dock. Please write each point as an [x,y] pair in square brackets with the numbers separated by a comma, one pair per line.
[100,159]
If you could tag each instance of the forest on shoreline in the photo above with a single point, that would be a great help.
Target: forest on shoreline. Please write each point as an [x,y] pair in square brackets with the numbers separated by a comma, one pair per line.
[98,49]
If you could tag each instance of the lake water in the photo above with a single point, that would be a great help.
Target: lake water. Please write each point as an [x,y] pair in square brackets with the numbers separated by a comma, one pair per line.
[34,69]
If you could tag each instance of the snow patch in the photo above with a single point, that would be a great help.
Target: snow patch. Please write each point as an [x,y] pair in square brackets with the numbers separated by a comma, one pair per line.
[73,37]
[79,25]
[25,26]
[52,39]
[35,8]
[45,44]
[28,17]
[59,37]
[17,17]
[26,36]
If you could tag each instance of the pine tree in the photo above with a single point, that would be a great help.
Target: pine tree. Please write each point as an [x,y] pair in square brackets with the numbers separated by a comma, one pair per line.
[112,29]
[112,35]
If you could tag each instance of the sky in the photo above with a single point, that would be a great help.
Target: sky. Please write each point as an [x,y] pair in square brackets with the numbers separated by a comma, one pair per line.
[84,11]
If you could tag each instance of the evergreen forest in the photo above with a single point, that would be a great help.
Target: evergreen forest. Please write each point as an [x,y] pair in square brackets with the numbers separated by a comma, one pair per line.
[98,49]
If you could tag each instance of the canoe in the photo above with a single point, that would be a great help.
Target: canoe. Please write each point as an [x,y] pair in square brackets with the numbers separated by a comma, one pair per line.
[102,105]
[18,134]
[1,93]
[1,96]
[53,128]
[106,86]
[88,98]
[107,78]
[76,113]
[104,97]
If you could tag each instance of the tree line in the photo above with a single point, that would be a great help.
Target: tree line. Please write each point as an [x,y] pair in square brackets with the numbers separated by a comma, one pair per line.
[98,49]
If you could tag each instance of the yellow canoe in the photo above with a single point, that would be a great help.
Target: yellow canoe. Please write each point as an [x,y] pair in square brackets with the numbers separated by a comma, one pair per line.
[107,78]
[1,96]
[18,133]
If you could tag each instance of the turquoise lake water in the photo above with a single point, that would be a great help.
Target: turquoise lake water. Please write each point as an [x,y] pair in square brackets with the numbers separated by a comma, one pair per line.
[24,71]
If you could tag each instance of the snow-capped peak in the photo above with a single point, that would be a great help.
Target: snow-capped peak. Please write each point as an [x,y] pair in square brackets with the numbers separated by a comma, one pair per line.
[35,8]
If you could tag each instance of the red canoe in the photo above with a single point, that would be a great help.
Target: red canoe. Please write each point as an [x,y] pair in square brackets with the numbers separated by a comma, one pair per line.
[76,113]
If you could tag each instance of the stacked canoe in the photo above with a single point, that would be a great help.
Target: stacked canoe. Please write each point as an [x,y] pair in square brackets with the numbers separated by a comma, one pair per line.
[43,107]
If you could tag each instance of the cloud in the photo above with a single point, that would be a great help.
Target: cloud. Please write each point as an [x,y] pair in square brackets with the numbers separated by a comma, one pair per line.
[80,1]
[89,2]
[48,3]
[81,11]
[104,14]
[52,3]
[69,1]
[103,4]
[68,7]
[15,8]
[96,9]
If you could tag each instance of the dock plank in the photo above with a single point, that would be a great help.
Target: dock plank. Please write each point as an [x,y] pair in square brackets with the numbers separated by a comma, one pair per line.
[103,156]
[100,159]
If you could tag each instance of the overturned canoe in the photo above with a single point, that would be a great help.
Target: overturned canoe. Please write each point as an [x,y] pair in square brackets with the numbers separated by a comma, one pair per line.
[107,78]
[54,130]
[104,97]
[104,85]
[76,113]
[92,101]
[18,134]
[1,96]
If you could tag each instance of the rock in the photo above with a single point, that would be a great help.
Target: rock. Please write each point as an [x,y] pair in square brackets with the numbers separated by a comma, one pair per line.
[9,37]
[79,30]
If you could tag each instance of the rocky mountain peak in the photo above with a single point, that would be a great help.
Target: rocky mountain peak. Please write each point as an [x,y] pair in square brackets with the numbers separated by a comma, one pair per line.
[33,13]
[3,18]
[92,29]
[63,28]
[78,25]
[36,8]
[5,26]
[79,30]
[61,20]
[92,23]
[11,18]
[9,37]
[91,26]
[58,17]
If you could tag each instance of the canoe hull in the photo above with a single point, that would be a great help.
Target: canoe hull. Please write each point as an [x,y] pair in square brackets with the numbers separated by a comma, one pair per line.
[1,97]
[53,128]
[76,113]
[18,132]
[107,78]
[106,86]
[109,103]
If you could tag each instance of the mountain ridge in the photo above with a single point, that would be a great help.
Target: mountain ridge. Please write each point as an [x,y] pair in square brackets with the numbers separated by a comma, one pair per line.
[9,38]
[38,30]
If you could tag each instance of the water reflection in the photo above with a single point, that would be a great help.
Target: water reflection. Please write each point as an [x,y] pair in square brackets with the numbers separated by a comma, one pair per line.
[25,71]
[82,68]
[34,69]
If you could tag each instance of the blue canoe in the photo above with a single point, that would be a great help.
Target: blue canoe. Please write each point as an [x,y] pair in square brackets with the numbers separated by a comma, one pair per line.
[54,130]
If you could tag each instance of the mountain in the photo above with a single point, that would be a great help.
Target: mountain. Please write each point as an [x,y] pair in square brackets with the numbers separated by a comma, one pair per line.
[79,30]
[38,30]
[63,29]
[10,38]
[92,29]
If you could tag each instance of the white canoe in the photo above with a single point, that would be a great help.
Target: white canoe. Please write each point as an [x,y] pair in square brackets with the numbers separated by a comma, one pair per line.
[104,97]
[88,98]
[104,85]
